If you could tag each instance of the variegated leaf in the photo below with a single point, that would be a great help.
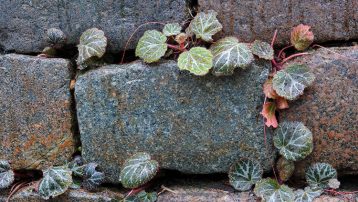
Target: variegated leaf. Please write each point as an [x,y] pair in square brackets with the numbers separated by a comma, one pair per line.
[205,25]
[262,50]
[142,196]
[92,177]
[6,174]
[291,81]
[151,46]
[285,168]
[197,60]
[244,174]
[319,174]
[229,54]
[294,140]
[93,43]
[55,182]
[307,195]
[271,191]
[301,37]
[171,29]
[138,170]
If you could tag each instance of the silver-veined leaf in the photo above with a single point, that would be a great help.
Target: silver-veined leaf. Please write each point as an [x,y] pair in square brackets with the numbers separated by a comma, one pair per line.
[93,43]
[262,50]
[291,81]
[319,174]
[138,170]
[92,177]
[229,54]
[334,183]
[294,140]
[197,60]
[151,46]
[6,174]
[271,191]
[55,182]
[77,167]
[244,174]
[307,195]
[171,29]
[205,25]
[142,196]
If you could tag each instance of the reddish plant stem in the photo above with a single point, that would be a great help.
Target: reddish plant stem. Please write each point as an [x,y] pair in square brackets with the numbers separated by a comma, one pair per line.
[179,48]
[292,56]
[282,50]
[130,38]
[274,38]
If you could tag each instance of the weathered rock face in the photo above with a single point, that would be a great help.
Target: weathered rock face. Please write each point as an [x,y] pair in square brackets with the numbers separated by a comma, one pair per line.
[187,123]
[23,23]
[329,109]
[35,124]
[254,19]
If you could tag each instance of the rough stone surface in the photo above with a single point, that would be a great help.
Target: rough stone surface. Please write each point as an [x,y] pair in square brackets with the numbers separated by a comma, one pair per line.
[256,19]
[23,23]
[329,109]
[35,111]
[191,124]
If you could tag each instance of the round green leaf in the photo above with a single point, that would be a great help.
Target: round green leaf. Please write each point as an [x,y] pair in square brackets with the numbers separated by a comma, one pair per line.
[244,174]
[93,43]
[171,29]
[6,174]
[271,191]
[197,60]
[319,174]
[92,177]
[138,170]
[262,50]
[294,140]
[229,54]
[205,25]
[307,195]
[291,81]
[55,182]
[151,46]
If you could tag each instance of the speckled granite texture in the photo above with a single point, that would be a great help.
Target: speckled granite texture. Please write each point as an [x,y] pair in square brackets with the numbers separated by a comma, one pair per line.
[35,111]
[188,123]
[329,109]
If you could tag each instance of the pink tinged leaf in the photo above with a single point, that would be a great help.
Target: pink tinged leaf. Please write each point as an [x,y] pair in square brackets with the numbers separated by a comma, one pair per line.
[268,112]
[268,89]
[281,103]
[301,37]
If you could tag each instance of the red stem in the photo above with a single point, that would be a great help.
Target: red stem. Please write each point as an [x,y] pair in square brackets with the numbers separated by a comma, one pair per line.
[292,56]
[281,51]
[274,38]
[130,38]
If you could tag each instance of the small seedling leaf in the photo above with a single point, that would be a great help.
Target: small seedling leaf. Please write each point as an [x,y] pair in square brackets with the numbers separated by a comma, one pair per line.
[92,177]
[142,196]
[319,174]
[285,168]
[291,81]
[229,54]
[205,25]
[301,37]
[294,140]
[197,61]
[307,195]
[93,43]
[244,174]
[151,46]
[138,170]
[171,29]
[6,174]
[56,181]
[262,50]
[268,89]
[271,191]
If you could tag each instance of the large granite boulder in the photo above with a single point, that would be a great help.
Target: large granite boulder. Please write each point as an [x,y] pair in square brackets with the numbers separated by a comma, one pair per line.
[187,123]
[35,111]
[23,23]
[329,109]
[256,19]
